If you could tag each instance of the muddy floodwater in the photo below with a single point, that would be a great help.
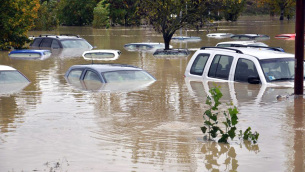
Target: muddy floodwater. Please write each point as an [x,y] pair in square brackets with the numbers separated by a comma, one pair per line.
[51,125]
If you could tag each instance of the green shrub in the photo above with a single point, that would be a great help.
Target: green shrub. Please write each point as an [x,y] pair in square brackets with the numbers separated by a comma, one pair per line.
[212,123]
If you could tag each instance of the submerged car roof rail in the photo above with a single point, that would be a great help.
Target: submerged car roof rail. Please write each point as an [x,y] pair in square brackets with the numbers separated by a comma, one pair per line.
[257,46]
[46,35]
[69,35]
[224,48]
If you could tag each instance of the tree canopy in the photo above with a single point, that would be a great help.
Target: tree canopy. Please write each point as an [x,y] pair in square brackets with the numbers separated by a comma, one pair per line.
[167,16]
[76,12]
[17,17]
[283,7]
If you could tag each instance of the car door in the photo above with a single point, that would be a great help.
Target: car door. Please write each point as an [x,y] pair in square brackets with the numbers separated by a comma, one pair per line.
[91,76]
[46,42]
[220,66]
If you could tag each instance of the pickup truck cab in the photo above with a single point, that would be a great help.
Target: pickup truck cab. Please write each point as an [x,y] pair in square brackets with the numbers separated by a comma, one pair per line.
[252,65]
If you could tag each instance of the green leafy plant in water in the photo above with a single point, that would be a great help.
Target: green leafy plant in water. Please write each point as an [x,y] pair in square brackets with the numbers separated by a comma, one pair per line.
[211,123]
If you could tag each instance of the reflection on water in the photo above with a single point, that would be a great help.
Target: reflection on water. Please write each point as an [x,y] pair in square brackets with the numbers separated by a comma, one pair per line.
[223,157]
[51,125]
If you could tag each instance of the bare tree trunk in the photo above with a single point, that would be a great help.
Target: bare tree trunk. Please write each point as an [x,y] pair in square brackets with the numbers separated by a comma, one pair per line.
[167,38]
[282,14]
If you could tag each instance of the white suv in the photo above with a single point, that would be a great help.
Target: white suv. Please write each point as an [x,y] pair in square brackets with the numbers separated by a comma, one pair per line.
[253,65]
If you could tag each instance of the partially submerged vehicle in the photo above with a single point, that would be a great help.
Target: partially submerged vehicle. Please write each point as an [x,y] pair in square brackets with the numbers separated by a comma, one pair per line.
[101,55]
[219,35]
[250,44]
[250,37]
[186,38]
[11,80]
[107,77]
[252,65]
[28,54]
[60,41]
[61,46]
[286,36]
[144,46]
[240,43]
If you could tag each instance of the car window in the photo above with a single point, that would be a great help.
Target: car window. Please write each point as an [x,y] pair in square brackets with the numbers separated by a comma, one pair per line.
[75,74]
[7,77]
[36,42]
[75,43]
[91,76]
[55,44]
[46,42]
[220,67]
[128,75]
[244,38]
[278,69]
[224,45]
[244,69]
[199,64]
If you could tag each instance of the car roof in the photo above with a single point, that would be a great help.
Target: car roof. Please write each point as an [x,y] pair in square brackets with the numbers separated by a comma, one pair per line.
[259,53]
[29,51]
[250,35]
[62,36]
[4,67]
[241,42]
[107,67]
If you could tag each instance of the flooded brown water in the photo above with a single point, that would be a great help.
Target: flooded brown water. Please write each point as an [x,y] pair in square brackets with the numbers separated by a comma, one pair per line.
[51,125]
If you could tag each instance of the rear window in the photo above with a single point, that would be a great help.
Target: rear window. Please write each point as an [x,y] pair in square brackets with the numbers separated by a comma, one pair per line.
[199,64]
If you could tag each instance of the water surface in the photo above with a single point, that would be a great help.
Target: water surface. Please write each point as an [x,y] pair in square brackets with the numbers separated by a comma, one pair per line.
[52,125]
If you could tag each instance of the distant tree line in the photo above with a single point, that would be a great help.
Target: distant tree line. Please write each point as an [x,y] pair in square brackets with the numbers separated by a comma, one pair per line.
[19,16]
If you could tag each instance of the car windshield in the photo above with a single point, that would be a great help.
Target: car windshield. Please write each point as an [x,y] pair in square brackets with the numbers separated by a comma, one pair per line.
[278,69]
[126,76]
[7,77]
[76,43]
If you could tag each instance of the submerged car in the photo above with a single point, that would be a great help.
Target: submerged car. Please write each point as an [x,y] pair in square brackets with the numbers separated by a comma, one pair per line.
[30,54]
[108,77]
[101,55]
[144,46]
[9,75]
[219,35]
[250,37]
[11,80]
[60,41]
[251,44]
[108,73]
[252,65]
[186,38]
[240,43]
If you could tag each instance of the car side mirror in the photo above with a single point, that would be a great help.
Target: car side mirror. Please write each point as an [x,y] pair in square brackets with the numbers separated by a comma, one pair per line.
[253,80]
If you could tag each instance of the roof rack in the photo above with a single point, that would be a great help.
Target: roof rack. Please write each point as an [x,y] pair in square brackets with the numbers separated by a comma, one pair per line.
[69,35]
[224,48]
[47,35]
[257,46]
